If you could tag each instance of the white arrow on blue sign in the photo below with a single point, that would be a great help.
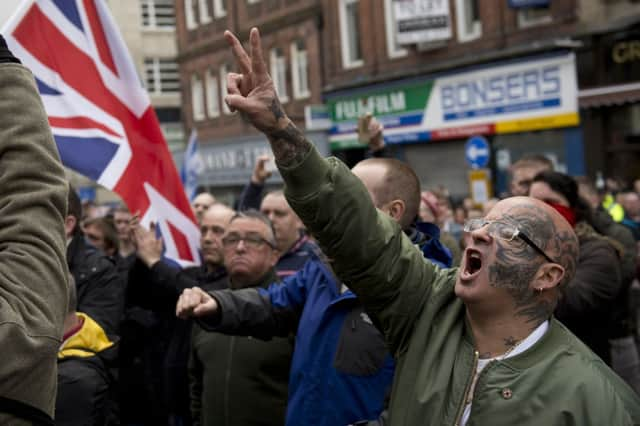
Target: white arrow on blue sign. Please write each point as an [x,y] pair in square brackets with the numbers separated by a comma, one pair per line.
[477,152]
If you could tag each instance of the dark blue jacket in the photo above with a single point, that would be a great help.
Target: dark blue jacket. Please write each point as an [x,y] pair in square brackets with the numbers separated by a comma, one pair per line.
[341,370]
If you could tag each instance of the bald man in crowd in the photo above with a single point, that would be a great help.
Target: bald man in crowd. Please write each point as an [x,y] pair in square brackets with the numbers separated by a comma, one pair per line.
[475,345]
[201,203]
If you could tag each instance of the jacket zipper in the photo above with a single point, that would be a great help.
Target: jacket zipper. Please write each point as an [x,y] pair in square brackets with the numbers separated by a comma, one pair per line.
[476,355]
[227,379]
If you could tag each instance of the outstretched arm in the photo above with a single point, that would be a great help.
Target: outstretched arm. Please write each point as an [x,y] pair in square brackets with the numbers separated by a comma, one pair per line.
[369,251]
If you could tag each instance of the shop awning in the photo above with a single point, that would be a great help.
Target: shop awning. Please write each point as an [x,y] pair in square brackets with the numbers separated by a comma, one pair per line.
[609,95]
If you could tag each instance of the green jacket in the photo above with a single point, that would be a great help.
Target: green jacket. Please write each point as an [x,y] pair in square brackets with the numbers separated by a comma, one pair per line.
[238,380]
[558,381]
[33,269]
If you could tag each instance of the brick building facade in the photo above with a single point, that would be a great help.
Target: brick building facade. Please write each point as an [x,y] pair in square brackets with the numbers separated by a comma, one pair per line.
[291,37]
[354,63]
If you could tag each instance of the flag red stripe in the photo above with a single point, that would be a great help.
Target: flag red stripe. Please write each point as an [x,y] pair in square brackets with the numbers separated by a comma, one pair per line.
[181,242]
[98,35]
[150,158]
[80,123]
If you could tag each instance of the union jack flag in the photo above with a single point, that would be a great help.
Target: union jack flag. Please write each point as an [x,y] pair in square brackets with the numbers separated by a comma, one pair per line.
[100,115]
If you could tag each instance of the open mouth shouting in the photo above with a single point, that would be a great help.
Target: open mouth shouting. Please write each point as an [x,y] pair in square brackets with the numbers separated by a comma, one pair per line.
[472,264]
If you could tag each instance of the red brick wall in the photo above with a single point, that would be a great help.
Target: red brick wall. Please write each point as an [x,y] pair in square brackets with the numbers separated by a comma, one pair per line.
[281,22]
[499,31]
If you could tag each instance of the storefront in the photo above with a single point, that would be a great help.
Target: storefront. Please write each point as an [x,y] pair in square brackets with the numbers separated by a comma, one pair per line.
[609,99]
[228,164]
[521,106]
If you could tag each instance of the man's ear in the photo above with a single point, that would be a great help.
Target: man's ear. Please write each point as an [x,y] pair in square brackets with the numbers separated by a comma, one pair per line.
[275,256]
[69,225]
[548,277]
[396,209]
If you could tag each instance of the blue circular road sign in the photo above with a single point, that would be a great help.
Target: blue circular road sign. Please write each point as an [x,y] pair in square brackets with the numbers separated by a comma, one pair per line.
[477,152]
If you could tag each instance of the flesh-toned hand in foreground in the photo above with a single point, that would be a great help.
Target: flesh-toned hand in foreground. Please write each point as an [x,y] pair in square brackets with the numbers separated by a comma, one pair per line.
[253,94]
[195,302]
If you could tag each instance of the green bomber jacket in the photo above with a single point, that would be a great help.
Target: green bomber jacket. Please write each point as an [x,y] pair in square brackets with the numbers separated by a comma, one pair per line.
[558,381]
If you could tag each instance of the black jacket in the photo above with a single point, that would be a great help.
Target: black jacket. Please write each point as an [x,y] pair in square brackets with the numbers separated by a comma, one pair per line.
[239,380]
[604,224]
[100,288]
[587,302]
[157,290]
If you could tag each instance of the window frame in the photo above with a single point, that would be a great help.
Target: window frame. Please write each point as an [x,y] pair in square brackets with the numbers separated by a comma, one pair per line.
[275,61]
[345,47]
[298,93]
[211,87]
[160,84]
[152,17]
[393,51]
[524,22]
[189,15]
[204,17]
[462,34]
[219,9]
[198,114]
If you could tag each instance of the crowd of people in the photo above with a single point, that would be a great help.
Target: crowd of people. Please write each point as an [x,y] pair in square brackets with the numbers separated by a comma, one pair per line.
[350,297]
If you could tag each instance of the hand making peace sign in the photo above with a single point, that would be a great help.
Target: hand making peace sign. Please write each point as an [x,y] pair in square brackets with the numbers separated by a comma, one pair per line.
[252,91]
[253,94]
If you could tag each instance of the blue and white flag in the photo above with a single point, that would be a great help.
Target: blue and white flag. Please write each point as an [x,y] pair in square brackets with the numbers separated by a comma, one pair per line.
[192,166]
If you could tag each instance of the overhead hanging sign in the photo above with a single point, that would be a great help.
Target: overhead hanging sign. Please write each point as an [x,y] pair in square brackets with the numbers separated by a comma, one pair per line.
[532,94]
[422,21]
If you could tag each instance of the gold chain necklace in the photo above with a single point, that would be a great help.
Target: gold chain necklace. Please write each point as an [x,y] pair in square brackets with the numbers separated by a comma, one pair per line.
[472,389]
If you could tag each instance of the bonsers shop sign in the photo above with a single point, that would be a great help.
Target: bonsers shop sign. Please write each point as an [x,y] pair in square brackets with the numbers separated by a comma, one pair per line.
[502,93]
[533,93]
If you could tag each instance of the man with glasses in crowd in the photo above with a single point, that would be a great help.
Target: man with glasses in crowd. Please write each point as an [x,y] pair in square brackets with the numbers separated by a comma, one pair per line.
[474,345]
[239,380]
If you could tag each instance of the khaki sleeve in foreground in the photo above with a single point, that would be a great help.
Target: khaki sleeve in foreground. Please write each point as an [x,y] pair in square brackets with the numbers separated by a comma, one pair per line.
[33,277]
[369,251]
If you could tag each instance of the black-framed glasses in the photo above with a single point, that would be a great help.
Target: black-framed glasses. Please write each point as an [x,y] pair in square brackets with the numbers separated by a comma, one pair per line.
[254,241]
[504,231]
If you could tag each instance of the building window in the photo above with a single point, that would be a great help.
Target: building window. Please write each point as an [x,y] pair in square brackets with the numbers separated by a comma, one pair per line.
[219,8]
[224,70]
[300,70]
[197,98]
[189,16]
[158,14]
[533,16]
[350,33]
[394,50]
[213,98]
[205,18]
[161,76]
[468,20]
[279,73]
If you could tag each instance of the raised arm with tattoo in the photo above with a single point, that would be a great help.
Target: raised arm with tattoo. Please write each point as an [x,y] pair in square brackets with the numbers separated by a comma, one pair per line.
[253,94]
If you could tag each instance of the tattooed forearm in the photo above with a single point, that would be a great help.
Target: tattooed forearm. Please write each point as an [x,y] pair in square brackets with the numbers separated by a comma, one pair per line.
[289,145]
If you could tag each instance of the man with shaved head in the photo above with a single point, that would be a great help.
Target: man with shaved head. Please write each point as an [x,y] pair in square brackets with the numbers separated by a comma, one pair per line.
[474,345]
[201,203]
